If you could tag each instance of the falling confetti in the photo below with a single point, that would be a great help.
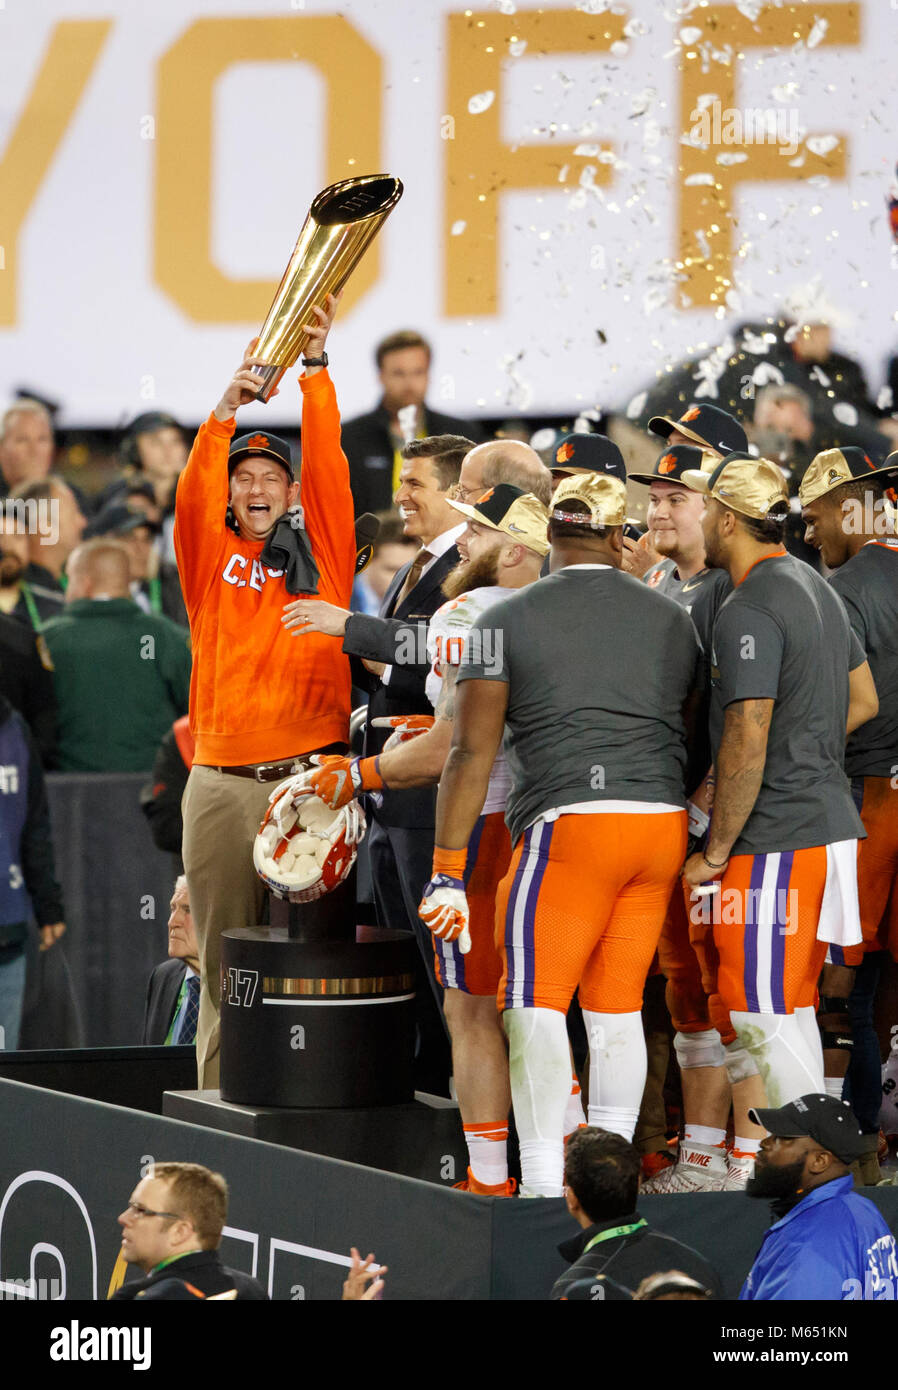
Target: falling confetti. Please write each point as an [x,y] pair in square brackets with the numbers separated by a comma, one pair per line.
[481,102]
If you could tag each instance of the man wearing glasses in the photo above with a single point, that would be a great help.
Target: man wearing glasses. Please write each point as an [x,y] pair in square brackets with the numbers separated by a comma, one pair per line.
[171,1229]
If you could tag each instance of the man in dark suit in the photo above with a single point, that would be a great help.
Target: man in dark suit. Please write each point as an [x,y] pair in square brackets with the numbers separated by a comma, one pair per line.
[389,659]
[373,443]
[172,1000]
[171,1229]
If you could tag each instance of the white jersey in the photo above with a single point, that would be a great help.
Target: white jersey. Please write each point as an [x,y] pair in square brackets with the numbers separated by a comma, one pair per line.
[446,638]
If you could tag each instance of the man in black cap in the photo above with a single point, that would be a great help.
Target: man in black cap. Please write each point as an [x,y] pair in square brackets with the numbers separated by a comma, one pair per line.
[846,508]
[705,425]
[596,453]
[258,705]
[828,1243]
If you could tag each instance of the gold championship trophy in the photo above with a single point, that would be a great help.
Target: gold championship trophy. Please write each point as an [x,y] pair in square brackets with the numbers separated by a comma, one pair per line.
[342,222]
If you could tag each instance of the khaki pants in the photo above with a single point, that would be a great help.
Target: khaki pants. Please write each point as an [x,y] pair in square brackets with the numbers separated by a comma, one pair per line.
[222,814]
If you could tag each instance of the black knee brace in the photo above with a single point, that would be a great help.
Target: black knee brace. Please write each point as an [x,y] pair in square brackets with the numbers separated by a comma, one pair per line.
[839,1036]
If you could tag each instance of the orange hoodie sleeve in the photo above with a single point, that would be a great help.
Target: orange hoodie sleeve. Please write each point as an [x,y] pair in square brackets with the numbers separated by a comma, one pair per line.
[200,504]
[325,494]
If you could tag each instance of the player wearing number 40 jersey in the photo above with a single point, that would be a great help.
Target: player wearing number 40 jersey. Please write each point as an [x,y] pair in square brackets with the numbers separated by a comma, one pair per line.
[502,550]
[595,739]
[788,680]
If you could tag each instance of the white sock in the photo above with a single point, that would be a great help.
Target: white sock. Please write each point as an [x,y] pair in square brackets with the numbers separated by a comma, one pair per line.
[488,1151]
[810,1031]
[617,1070]
[703,1134]
[539,1067]
[573,1115]
[744,1147]
[833,1086]
[789,1068]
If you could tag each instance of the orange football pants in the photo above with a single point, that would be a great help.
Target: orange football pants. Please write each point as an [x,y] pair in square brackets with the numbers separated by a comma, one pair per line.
[877,869]
[583,904]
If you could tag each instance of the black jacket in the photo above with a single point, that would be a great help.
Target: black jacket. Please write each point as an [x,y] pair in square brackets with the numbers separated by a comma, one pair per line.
[204,1271]
[627,1260]
[34,854]
[26,679]
[393,638]
[162,996]
[369,450]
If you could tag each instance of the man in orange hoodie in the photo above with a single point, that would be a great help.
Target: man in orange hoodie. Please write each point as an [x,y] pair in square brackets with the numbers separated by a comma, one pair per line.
[258,707]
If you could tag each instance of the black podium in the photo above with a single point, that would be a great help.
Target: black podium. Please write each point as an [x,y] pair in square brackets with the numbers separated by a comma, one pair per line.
[317,1012]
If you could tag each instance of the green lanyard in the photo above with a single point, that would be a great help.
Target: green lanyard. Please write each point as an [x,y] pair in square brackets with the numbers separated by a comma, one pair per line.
[155,588]
[31,606]
[615,1231]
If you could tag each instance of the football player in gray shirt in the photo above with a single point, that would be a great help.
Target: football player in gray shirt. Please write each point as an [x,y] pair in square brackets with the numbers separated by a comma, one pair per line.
[850,522]
[686,953]
[789,679]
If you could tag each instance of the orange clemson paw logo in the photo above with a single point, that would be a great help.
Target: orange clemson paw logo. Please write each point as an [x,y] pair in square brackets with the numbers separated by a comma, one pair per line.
[257,441]
[485,496]
[667,464]
[691,414]
[564,452]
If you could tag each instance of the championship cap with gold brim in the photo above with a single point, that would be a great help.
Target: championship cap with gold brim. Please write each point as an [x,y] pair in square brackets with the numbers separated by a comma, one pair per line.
[516,513]
[677,460]
[605,497]
[834,467]
[753,487]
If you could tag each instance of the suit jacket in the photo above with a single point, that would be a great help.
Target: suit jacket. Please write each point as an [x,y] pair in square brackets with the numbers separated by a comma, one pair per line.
[162,996]
[369,449]
[202,1269]
[398,637]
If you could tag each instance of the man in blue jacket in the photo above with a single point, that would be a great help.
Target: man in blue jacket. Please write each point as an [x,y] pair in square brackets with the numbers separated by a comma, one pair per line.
[828,1243]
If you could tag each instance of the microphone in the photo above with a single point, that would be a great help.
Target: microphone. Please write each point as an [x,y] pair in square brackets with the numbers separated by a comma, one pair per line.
[367,528]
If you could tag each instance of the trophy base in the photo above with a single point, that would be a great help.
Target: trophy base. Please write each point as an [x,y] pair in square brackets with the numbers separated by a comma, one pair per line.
[272,375]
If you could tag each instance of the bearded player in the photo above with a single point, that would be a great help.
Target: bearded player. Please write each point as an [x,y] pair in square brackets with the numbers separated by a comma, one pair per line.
[595,739]
[502,550]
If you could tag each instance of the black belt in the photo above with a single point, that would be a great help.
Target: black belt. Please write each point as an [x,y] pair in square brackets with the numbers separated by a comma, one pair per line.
[268,772]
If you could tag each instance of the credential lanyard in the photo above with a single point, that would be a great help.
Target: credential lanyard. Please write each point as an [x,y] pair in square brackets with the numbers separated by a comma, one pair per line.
[615,1231]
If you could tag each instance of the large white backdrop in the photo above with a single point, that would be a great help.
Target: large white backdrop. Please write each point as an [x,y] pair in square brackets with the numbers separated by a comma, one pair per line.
[562,235]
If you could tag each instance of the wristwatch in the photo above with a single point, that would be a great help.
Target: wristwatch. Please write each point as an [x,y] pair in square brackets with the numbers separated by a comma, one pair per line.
[315,361]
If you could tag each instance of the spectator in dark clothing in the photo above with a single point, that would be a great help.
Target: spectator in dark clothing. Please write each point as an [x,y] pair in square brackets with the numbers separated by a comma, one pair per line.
[27,869]
[154,452]
[30,608]
[160,800]
[26,679]
[172,1228]
[155,585]
[601,1176]
[122,676]
[54,523]
[372,442]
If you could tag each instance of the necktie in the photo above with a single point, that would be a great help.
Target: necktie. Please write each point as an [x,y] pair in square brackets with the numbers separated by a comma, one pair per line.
[187,1027]
[413,575]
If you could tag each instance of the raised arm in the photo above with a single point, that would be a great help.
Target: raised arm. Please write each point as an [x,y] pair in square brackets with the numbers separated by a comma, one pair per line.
[202,496]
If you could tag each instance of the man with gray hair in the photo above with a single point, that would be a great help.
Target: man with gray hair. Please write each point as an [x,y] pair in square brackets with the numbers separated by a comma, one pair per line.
[26,444]
[173,992]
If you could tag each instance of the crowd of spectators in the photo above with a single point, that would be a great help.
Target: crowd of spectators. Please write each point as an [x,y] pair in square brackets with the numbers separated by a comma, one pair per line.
[95,676]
